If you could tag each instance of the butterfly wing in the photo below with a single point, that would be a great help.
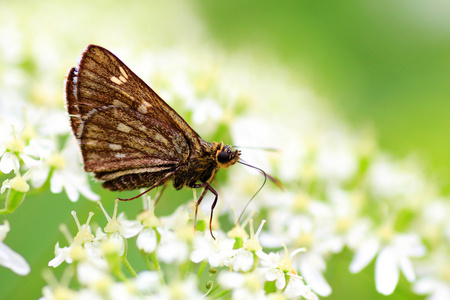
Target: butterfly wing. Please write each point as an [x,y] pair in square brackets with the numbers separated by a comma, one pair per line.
[102,79]
[124,128]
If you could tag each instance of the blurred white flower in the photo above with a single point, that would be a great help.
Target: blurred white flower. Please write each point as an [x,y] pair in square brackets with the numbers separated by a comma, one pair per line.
[217,251]
[8,257]
[243,286]
[311,266]
[97,279]
[171,248]
[147,282]
[297,288]
[147,240]
[392,257]
[433,275]
[67,173]
[186,289]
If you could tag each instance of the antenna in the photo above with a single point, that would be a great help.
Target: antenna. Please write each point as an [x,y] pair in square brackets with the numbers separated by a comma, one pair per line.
[271,178]
[257,148]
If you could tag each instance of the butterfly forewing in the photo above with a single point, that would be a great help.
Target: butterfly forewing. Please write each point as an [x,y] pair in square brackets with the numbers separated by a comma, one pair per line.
[103,79]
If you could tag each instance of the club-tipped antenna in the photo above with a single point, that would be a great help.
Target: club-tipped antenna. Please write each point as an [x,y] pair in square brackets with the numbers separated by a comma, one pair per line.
[276,181]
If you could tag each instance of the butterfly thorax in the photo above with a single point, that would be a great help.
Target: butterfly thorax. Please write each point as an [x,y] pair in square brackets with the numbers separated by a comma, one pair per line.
[202,165]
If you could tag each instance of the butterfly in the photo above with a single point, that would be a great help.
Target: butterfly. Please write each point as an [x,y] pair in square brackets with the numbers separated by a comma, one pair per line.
[129,137]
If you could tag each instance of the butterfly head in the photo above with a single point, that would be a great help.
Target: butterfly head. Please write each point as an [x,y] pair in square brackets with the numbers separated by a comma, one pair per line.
[226,156]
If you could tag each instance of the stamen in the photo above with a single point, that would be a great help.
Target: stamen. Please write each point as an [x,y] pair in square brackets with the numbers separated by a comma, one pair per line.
[104,211]
[74,214]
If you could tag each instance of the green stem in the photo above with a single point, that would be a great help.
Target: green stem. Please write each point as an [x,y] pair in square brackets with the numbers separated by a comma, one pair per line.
[156,266]
[128,266]
[219,295]
[200,270]
[187,269]
[146,260]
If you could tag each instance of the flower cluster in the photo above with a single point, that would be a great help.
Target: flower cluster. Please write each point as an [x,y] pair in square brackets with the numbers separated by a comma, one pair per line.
[238,266]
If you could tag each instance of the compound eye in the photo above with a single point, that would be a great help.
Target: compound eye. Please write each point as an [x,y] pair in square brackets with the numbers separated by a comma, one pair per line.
[223,157]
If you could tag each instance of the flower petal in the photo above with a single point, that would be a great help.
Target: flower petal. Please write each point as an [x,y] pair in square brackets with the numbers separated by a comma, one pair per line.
[407,269]
[386,271]
[146,240]
[364,255]
[311,268]
[9,162]
[12,260]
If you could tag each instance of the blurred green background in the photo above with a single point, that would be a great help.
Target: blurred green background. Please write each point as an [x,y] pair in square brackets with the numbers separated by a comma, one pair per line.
[382,63]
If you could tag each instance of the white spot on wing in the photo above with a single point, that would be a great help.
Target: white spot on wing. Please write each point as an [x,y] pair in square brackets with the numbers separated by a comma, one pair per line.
[142,109]
[124,128]
[123,72]
[115,146]
[116,80]
[120,155]
[118,103]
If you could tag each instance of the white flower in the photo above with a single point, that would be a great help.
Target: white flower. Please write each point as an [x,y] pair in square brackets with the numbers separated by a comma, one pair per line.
[61,255]
[92,276]
[433,274]
[319,241]
[147,240]
[389,179]
[147,282]
[335,158]
[87,294]
[297,288]
[437,289]
[119,228]
[275,266]
[122,290]
[311,266]
[12,150]
[391,258]
[186,290]
[216,251]
[206,109]
[83,247]
[67,173]
[9,258]
[244,258]
[171,248]
[9,162]
[59,292]
[243,286]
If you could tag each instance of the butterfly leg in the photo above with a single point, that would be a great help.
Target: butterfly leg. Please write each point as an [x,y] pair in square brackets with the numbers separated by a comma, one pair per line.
[158,183]
[207,187]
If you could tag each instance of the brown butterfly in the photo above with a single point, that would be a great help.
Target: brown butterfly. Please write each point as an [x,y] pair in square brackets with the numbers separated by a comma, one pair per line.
[129,137]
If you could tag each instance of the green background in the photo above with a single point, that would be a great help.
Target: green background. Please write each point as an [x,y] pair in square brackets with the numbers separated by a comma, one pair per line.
[379,63]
